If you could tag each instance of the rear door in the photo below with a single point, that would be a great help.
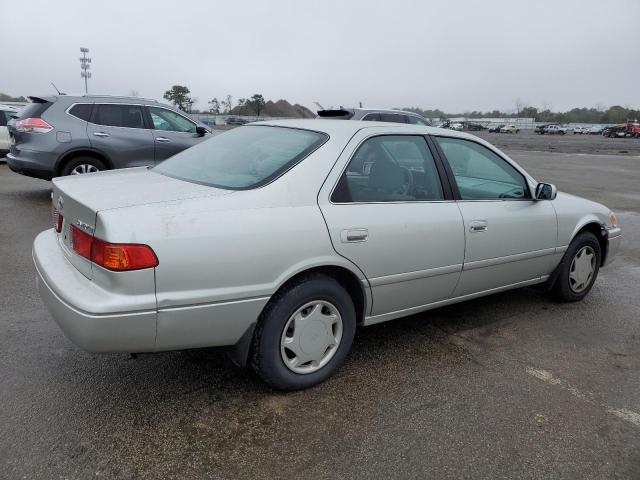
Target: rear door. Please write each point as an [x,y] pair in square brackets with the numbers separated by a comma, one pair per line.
[5,115]
[172,132]
[392,216]
[121,133]
[510,238]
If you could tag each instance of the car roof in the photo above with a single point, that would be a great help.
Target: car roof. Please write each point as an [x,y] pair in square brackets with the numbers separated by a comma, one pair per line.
[352,126]
[94,97]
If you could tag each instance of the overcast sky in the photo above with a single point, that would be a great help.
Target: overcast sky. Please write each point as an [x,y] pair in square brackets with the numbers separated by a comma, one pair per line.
[457,55]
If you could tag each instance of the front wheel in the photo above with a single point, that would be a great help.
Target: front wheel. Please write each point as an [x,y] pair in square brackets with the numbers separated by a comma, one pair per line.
[579,269]
[304,333]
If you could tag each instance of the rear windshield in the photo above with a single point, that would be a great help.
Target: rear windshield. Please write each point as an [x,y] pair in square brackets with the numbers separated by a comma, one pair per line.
[243,158]
[34,109]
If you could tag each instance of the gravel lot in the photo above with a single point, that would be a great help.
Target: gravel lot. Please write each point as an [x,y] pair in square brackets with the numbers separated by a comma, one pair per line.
[509,386]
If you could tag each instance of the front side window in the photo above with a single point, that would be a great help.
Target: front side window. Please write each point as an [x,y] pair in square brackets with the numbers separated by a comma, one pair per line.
[243,158]
[480,173]
[117,115]
[417,120]
[390,168]
[170,121]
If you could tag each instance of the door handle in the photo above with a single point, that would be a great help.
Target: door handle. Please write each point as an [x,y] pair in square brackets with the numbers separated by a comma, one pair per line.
[354,235]
[100,134]
[162,139]
[478,226]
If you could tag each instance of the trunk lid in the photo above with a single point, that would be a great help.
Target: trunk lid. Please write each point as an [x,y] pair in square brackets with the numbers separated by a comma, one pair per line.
[79,199]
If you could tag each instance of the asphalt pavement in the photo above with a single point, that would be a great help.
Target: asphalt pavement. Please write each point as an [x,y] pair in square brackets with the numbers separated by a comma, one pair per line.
[508,386]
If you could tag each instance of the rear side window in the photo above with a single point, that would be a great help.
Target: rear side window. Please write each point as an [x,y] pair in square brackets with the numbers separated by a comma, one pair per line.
[372,117]
[82,111]
[116,115]
[243,158]
[392,117]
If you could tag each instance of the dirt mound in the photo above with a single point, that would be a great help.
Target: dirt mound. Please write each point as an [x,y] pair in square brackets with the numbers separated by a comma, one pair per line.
[281,108]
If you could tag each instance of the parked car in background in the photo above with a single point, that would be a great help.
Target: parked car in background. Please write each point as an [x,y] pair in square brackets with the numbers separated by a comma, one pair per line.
[456,126]
[496,128]
[373,115]
[556,130]
[357,223]
[540,129]
[236,121]
[7,112]
[62,135]
[580,130]
[596,130]
[473,127]
[509,129]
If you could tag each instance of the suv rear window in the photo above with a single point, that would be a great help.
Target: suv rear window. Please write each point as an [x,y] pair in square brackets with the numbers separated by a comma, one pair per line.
[243,158]
[82,111]
[35,108]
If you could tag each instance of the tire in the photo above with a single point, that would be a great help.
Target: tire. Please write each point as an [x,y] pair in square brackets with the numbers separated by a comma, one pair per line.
[277,326]
[81,165]
[566,288]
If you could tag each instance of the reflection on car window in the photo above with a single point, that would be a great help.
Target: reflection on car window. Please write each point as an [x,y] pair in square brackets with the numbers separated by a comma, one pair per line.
[169,120]
[390,168]
[243,158]
[480,173]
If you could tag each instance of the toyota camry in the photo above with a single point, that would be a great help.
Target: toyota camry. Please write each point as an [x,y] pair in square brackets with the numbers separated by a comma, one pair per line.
[277,239]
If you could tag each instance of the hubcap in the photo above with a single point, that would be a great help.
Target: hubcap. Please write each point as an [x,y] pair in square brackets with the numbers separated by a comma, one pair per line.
[84,168]
[311,337]
[582,268]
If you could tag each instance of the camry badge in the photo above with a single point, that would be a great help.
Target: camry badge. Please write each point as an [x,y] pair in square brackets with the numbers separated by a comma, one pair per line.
[85,226]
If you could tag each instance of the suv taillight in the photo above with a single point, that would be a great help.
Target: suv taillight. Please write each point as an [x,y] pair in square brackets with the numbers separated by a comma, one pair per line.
[118,257]
[33,125]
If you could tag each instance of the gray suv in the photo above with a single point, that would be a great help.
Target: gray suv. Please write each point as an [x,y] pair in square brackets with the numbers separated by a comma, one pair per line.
[374,115]
[68,135]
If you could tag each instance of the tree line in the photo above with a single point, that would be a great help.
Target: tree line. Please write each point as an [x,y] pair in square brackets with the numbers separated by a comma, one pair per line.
[614,114]
[180,96]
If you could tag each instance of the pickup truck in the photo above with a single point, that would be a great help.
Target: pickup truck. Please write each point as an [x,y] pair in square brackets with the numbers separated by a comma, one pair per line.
[556,129]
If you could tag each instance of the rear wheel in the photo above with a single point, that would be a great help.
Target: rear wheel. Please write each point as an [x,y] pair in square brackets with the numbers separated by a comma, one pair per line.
[304,333]
[82,165]
[579,268]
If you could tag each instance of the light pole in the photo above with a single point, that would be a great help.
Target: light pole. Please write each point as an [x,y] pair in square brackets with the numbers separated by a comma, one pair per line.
[85,65]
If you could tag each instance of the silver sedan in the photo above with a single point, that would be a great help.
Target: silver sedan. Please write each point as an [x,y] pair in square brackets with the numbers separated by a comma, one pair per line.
[277,239]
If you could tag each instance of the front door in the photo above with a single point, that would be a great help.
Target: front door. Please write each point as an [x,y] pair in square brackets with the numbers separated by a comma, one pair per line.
[172,133]
[391,216]
[510,237]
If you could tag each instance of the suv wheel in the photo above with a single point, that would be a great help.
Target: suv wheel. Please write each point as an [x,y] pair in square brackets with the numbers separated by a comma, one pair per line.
[304,333]
[81,165]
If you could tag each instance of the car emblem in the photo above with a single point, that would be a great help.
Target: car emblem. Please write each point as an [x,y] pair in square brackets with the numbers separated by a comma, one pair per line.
[60,203]
[85,226]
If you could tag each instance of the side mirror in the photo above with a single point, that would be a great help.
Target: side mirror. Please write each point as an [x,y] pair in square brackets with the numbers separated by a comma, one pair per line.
[200,130]
[546,191]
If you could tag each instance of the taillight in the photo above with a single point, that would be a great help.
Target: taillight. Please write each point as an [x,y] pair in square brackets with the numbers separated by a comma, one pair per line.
[119,257]
[56,219]
[59,221]
[33,125]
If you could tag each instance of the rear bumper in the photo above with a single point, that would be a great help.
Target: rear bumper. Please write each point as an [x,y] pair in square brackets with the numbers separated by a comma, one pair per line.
[75,302]
[35,166]
[614,239]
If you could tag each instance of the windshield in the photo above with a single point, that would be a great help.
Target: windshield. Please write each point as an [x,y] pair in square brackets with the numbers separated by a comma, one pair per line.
[243,158]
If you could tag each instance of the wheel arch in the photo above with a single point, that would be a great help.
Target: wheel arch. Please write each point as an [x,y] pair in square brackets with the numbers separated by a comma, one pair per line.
[596,227]
[82,152]
[349,278]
